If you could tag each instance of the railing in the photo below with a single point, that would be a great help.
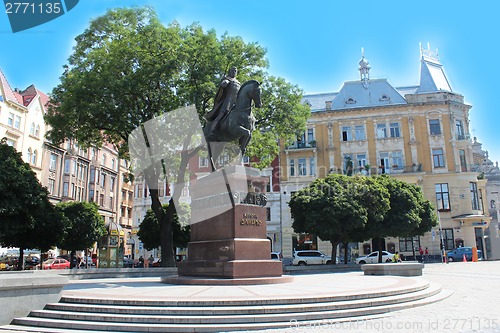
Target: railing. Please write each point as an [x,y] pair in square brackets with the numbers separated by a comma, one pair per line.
[302,145]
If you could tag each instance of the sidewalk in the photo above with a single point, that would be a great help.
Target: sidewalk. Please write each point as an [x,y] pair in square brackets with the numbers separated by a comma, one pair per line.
[473,307]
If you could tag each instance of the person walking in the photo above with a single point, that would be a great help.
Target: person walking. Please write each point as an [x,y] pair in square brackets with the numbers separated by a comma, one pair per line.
[151,261]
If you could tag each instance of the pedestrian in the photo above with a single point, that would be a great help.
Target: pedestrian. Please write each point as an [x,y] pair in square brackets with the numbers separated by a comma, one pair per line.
[427,255]
[150,261]
[396,257]
[141,262]
[421,253]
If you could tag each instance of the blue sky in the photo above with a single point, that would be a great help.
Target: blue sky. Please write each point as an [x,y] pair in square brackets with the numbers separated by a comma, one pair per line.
[314,44]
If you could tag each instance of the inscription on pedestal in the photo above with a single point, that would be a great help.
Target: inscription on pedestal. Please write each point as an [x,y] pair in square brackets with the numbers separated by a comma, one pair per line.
[250,219]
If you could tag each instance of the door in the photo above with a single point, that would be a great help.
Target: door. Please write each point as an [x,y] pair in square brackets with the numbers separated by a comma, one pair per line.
[372,258]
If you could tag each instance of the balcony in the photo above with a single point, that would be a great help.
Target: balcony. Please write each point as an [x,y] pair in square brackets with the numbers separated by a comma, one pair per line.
[302,145]
[463,137]
[396,169]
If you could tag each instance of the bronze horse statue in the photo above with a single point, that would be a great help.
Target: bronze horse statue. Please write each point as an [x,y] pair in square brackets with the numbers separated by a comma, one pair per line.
[238,124]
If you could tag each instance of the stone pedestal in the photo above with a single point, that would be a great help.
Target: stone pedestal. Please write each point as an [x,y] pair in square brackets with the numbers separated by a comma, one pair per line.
[228,236]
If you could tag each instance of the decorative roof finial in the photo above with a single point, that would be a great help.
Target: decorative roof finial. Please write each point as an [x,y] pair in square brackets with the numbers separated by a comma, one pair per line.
[428,54]
[364,69]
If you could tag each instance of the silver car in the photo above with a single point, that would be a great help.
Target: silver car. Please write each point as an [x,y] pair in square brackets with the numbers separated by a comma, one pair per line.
[310,257]
[372,258]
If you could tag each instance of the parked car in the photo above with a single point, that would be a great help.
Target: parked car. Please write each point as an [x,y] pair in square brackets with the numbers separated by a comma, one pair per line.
[73,263]
[310,257]
[128,263]
[372,258]
[458,254]
[31,262]
[276,256]
[57,263]
[156,263]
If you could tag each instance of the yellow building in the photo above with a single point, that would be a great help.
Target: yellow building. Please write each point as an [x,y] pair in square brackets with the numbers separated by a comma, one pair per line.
[419,134]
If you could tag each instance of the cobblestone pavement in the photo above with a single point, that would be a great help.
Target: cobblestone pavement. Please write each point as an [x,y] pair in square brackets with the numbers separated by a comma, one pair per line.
[474,305]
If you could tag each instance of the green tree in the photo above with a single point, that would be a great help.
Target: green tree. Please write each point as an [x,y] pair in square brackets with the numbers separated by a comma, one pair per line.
[27,218]
[149,230]
[332,208]
[127,68]
[83,225]
[410,214]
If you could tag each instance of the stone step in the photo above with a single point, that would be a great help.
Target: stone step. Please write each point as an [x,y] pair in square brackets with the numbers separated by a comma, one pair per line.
[200,328]
[45,320]
[210,310]
[418,285]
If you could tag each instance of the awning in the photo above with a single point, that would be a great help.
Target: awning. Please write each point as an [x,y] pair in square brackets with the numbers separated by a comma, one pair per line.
[475,220]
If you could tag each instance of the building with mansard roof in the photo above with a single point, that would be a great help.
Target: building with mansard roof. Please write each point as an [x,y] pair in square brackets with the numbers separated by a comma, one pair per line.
[418,134]
[69,172]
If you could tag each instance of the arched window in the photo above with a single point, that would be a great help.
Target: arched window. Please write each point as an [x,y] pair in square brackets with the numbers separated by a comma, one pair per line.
[34,158]
[103,161]
[113,163]
[32,129]
[29,155]
[37,131]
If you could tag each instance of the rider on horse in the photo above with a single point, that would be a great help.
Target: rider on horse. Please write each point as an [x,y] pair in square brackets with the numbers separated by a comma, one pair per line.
[224,100]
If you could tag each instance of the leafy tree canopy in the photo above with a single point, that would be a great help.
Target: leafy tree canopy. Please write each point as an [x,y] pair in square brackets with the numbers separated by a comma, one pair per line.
[335,207]
[27,218]
[410,213]
[149,229]
[83,225]
[127,68]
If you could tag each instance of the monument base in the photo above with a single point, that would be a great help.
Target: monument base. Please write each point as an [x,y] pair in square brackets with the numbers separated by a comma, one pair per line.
[191,280]
[233,269]
[228,233]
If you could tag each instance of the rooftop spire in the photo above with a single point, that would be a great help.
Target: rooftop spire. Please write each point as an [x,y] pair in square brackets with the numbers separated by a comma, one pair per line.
[428,54]
[432,76]
[364,69]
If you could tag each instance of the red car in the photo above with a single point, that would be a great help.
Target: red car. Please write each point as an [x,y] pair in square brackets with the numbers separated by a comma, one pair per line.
[57,263]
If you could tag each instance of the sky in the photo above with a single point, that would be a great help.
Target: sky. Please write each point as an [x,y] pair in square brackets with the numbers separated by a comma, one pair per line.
[314,44]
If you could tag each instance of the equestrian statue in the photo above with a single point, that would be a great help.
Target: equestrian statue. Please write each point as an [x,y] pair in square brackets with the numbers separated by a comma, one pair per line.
[231,118]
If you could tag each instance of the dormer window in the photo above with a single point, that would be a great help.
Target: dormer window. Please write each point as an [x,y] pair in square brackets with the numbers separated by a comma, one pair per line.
[384,98]
[350,100]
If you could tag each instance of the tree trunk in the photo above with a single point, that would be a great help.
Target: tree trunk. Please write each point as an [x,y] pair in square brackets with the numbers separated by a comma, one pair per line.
[334,252]
[346,250]
[166,219]
[379,241]
[20,261]
[72,259]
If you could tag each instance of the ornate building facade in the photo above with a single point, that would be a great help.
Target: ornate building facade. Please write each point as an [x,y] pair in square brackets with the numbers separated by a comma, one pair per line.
[491,172]
[69,172]
[419,134]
